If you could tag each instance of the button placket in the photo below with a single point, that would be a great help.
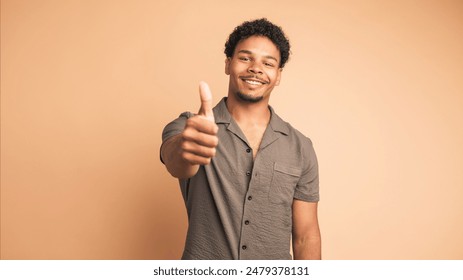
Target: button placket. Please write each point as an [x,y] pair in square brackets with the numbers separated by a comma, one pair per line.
[246,228]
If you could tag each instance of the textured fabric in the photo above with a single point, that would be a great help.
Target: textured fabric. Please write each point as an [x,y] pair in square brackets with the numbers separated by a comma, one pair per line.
[240,208]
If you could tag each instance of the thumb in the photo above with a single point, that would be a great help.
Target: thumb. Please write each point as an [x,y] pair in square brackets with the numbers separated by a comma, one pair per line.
[206,101]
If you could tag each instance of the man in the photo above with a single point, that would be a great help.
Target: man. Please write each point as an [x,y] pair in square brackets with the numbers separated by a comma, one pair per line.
[249,180]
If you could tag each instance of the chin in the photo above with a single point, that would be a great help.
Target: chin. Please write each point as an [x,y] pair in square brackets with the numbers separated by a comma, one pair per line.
[249,98]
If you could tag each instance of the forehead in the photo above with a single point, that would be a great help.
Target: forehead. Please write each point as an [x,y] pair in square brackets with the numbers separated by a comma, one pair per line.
[258,45]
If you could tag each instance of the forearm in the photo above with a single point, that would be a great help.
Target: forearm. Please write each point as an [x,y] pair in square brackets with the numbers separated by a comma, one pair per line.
[308,248]
[177,166]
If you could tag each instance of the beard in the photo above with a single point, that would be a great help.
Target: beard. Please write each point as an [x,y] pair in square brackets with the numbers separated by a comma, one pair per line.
[249,98]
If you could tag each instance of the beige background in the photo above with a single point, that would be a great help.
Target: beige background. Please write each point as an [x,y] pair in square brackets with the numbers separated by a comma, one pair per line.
[87,86]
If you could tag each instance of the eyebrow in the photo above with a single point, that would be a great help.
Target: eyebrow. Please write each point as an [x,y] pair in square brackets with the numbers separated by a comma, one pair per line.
[249,52]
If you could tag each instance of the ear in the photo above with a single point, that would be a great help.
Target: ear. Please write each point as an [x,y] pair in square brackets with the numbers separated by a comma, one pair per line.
[278,76]
[227,65]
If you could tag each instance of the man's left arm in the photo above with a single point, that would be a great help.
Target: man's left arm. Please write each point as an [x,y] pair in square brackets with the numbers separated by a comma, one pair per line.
[306,232]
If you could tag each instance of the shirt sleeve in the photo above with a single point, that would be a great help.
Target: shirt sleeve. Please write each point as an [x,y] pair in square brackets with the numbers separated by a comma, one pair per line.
[307,188]
[173,128]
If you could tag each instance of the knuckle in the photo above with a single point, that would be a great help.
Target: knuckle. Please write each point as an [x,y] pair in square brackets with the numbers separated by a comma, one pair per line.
[184,145]
[215,141]
[213,152]
[190,121]
[184,155]
[188,133]
[215,129]
[185,133]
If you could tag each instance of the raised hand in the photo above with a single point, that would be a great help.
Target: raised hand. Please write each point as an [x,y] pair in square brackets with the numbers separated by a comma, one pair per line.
[199,138]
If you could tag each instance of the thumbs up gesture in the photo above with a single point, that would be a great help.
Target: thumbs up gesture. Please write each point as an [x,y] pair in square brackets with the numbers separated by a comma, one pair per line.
[206,102]
[199,138]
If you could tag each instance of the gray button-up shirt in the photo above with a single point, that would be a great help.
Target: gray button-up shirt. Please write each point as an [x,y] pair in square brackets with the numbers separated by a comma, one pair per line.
[239,207]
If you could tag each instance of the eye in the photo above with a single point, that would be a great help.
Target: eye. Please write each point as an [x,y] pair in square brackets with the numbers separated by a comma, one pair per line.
[268,64]
[243,58]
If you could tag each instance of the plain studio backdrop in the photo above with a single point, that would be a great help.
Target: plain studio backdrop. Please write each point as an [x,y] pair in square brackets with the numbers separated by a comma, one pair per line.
[87,87]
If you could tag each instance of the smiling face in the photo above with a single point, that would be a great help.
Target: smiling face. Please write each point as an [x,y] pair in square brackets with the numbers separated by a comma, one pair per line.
[253,69]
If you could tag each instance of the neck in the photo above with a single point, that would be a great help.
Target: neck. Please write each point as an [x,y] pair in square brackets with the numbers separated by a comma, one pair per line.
[249,113]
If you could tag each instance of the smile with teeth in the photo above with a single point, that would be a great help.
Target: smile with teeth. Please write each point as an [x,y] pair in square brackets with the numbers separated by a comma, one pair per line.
[253,82]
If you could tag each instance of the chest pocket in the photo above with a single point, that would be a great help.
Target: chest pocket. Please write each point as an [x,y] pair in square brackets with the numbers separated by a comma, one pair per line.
[283,184]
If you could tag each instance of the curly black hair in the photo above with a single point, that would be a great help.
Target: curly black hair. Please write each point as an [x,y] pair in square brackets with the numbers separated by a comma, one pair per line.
[259,27]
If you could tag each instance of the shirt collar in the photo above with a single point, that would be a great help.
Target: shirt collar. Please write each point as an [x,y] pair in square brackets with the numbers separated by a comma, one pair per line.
[222,115]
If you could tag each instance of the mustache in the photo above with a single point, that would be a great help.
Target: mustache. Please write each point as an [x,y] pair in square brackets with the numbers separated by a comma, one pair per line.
[253,77]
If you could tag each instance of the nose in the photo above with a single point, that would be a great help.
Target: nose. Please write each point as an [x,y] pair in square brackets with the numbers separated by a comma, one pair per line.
[255,68]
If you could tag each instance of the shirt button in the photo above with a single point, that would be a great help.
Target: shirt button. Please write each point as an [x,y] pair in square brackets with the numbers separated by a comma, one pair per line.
[248,150]
[244,247]
[248,173]
[246,222]
[249,197]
